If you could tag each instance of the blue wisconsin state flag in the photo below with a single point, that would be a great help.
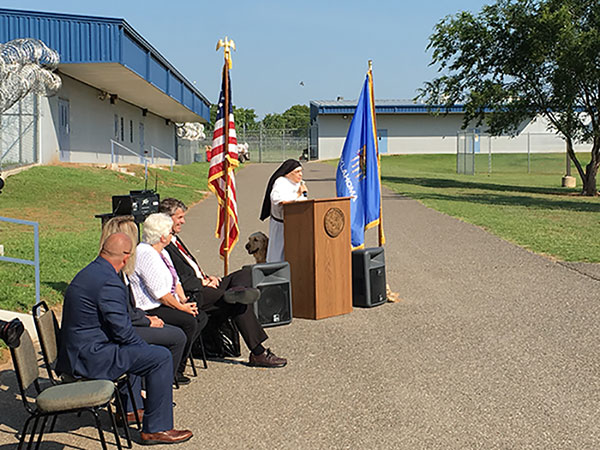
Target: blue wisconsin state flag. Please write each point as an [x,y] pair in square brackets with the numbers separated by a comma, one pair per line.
[358,170]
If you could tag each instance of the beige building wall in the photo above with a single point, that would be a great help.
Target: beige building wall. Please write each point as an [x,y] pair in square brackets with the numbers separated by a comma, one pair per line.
[93,122]
[427,134]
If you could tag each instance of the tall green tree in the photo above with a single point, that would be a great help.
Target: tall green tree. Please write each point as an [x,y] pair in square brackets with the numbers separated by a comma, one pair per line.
[245,118]
[297,117]
[273,121]
[516,59]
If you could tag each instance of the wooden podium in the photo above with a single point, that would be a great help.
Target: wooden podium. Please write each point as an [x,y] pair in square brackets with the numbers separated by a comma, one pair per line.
[317,246]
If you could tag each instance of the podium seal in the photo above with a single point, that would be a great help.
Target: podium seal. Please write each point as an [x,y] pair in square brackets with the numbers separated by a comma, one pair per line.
[334,222]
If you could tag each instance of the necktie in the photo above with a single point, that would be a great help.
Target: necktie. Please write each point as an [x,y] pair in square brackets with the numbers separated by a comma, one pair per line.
[172,270]
[186,253]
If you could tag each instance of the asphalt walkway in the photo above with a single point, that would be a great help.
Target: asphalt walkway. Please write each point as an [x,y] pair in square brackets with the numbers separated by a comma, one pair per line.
[491,347]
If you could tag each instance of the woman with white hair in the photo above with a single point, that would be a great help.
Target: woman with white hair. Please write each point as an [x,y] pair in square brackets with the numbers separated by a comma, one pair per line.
[157,289]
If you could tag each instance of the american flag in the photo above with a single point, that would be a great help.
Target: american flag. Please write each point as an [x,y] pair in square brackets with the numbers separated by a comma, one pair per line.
[216,172]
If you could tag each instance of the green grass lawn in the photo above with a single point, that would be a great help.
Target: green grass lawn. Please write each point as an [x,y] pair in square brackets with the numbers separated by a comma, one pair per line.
[64,201]
[531,210]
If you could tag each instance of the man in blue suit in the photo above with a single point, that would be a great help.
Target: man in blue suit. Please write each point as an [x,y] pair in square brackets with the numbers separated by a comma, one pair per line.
[97,340]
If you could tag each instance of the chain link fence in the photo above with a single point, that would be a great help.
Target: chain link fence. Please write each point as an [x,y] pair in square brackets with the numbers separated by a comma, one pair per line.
[19,134]
[268,145]
[527,153]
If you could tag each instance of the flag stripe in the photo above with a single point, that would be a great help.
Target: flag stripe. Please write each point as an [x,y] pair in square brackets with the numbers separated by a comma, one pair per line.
[217,175]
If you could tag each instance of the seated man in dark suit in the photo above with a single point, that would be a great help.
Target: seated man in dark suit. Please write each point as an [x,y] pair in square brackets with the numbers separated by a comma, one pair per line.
[97,340]
[219,295]
[151,329]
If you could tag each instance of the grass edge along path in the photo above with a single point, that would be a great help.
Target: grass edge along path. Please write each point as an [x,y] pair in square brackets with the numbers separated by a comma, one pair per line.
[64,199]
[531,210]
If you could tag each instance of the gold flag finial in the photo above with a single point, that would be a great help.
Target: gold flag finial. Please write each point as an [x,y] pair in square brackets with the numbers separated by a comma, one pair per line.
[228,44]
[370,65]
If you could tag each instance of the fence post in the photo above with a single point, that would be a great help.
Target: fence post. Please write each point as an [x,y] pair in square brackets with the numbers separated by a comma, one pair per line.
[1,146]
[36,134]
[489,154]
[568,161]
[260,143]
[20,103]
[457,151]
[36,244]
[528,153]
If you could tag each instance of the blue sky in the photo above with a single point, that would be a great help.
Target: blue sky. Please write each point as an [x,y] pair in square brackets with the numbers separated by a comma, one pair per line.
[324,44]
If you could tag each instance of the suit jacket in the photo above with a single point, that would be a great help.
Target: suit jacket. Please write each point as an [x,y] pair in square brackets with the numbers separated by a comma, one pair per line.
[187,275]
[97,339]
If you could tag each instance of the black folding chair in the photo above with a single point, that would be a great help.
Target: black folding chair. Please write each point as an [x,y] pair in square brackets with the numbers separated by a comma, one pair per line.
[91,395]
[47,329]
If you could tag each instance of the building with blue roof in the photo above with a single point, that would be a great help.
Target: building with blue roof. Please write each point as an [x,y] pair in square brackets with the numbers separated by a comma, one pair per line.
[120,98]
[406,127]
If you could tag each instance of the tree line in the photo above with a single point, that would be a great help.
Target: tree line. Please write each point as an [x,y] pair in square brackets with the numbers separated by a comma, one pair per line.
[295,119]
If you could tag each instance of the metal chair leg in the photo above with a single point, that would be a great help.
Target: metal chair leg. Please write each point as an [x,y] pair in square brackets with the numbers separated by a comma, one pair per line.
[121,410]
[194,371]
[53,423]
[116,430]
[203,352]
[33,429]
[99,427]
[24,433]
[39,440]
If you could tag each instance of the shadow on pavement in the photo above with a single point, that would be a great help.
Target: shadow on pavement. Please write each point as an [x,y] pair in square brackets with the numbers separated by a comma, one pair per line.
[496,199]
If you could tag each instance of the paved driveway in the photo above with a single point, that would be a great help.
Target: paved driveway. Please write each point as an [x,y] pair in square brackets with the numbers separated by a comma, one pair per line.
[491,347]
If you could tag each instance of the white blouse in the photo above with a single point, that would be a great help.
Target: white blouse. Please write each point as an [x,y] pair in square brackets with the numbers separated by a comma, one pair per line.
[151,279]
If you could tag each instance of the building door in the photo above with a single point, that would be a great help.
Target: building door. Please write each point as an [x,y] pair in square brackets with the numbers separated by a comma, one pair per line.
[382,136]
[142,143]
[64,129]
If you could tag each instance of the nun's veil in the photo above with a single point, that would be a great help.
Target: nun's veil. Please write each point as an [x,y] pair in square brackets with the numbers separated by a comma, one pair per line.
[283,170]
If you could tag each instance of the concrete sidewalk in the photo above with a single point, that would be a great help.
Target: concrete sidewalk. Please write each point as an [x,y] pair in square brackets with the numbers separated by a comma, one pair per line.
[492,347]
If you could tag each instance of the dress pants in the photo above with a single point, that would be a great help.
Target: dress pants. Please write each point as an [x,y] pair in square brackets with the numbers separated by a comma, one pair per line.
[243,315]
[169,336]
[191,326]
[155,365]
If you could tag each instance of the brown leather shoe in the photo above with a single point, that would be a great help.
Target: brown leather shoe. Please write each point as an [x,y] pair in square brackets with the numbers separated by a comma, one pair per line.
[130,417]
[166,437]
[266,359]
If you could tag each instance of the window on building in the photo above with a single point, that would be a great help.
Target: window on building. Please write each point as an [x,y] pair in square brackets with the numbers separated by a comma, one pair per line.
[122,129]
[131,131]
[116,127]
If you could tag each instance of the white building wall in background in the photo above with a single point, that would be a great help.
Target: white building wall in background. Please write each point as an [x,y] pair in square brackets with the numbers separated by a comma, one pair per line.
[93,121]
[428,134]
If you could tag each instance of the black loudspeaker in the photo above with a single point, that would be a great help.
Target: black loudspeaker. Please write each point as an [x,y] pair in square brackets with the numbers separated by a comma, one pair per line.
[368,277]
[274,307]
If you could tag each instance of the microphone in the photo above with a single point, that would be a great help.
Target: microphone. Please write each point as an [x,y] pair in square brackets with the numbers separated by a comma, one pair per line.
[304,192]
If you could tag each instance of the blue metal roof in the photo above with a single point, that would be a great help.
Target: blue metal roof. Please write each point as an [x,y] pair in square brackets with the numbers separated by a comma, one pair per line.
[381,107]
[86,39]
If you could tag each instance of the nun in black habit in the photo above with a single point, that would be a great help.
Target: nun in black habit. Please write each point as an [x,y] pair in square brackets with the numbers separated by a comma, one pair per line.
[285,185]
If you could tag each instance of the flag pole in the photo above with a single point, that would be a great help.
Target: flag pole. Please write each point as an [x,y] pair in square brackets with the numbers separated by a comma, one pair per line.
[227,65]
[380,227]
[226,167]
